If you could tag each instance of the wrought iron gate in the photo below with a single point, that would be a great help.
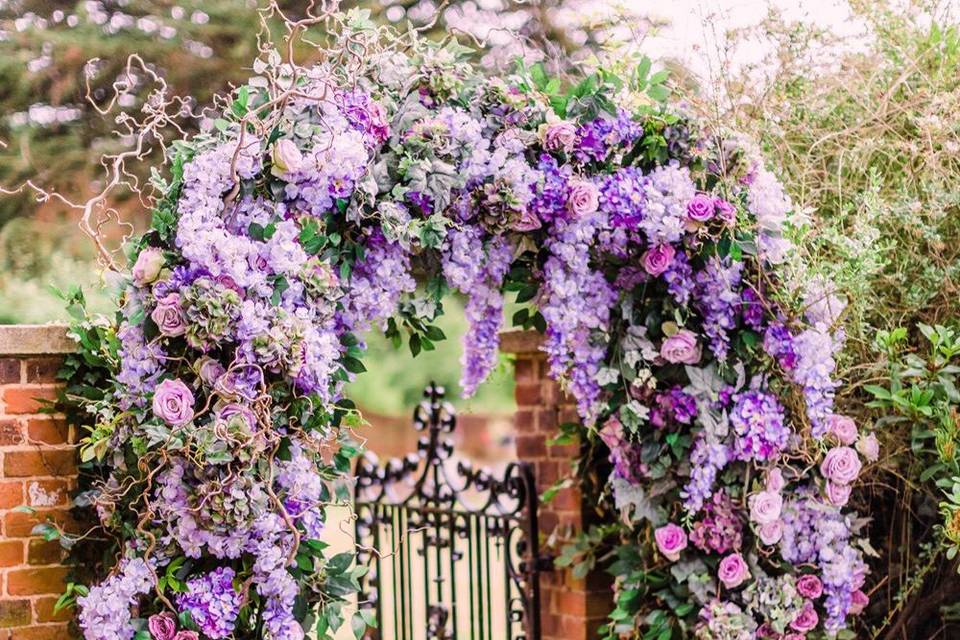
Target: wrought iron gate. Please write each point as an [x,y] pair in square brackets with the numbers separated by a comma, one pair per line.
[452,552]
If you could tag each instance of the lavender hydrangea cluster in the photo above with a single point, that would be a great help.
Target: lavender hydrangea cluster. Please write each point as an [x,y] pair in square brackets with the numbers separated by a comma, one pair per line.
[341,200]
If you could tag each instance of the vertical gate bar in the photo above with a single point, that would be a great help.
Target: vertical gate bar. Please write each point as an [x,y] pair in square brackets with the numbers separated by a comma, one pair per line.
[408,573]
[426,571]
[402,545]
[378,579]
[533,559]
[471,575]
[453,570]
[508,581]
[481,617]
[486,555]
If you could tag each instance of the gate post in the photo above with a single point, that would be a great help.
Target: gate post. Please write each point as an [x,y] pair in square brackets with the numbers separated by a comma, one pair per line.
[571,608]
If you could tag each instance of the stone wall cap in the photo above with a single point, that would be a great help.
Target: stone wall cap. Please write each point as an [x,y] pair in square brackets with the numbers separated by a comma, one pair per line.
[34,339]
[521,342]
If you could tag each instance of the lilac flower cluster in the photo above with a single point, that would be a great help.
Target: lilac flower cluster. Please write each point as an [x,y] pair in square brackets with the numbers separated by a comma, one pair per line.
[718,296]
[707,459]
[760,426]
[212,602]
[105,610]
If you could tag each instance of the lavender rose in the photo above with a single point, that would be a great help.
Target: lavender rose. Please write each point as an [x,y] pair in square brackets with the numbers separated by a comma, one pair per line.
[286,157]
[163,626]
[560,135]
[869,447]
[794,636]
[838,494]
[841,465]
[806,620]
[187,635]
[528,221]
[771,532]
[775,481]
[701,208]
[725,211]
[209,370]
[148,265]
[733,571]
[681,347]
[809,586]
[583,199]
[173,402]
[671,540]
[765,507]
[658,259]
[843,428]
[169,316]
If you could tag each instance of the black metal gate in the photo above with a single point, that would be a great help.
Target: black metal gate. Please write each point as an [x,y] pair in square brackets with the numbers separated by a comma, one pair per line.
[452,552]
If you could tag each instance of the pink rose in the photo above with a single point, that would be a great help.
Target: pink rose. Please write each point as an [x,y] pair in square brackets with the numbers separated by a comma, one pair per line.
[528,221]
[658,259]
[163,626]
[794,636]
[187,635]
[765,507]
[286,157]
[858,602]
[869,447]
[838,494]
[809,586]
[681,347]
[558,136]
[841,465]
[806,620]
[671,540]
[771,532]
[612,432]
[774,480]
[148,265]
[169,316]
[583,198]
[733,571]
[173,402]
[844,428]
[701,208]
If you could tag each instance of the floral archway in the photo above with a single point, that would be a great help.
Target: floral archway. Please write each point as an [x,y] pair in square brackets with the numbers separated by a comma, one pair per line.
[653,252]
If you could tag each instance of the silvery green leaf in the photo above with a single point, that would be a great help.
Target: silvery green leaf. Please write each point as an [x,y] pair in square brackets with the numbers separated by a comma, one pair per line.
[682,570]
[626,495]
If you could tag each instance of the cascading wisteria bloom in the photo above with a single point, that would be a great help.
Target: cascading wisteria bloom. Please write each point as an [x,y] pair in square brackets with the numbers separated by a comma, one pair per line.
[352,200]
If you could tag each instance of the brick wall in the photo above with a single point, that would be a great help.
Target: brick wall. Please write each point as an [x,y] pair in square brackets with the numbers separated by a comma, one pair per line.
[36,470]
[571,608]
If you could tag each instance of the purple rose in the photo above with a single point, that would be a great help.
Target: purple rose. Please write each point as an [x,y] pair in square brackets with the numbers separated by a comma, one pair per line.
[558,136]
[775,481]
[209,370]
[658,259]
[235,410]
[841,465]
[809,586]
[806,620]
[173,402]
[771,532]
[869,447]
[858,602]
[725,211]
[169,316]
[765,507]
[733,571]
[681,347]
[583,199]
[286,157]
[671,540]
[163,626]
[838,494]
[187,635]
[528,221]
[701,208]
[843,428]
[148,265]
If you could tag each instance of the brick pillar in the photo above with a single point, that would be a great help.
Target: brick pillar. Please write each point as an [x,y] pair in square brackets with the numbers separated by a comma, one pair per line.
[571,608]
[37,470]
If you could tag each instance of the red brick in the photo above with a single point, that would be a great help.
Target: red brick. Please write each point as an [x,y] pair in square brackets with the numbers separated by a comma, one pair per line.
[36,580]
[531,447]
[48,431]
[48,493]
[525,421]
[525,370]
[14,613]
[18,524]
[44,551]
[27,398]
[548,473]
[10,432]
[527,394]
[11,553]
[39,462]
[43,610]
[40,632]
[9,370]
[11,494]
[547,420]
[568,499]
[564,451]
[43,369]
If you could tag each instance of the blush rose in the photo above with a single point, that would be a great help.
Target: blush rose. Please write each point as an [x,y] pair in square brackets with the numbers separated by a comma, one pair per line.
[681,348]
[671,540]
